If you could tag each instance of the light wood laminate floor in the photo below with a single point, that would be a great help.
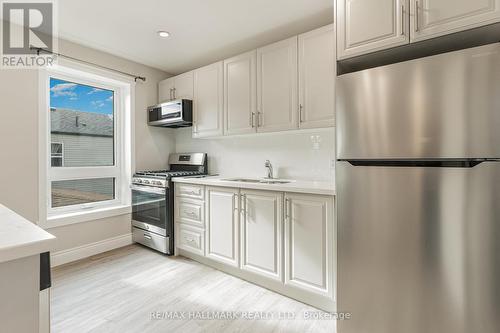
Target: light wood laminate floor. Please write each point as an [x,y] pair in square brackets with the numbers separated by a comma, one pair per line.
[120,291]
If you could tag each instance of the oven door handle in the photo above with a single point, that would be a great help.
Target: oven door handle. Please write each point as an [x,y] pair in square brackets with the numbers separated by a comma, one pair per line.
[148,189]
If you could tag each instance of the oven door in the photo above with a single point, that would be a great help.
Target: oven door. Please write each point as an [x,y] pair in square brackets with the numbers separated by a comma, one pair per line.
[149,208]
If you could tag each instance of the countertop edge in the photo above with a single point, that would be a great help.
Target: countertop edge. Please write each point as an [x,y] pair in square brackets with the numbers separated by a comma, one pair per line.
[305,187]
[38,241]
[26,249]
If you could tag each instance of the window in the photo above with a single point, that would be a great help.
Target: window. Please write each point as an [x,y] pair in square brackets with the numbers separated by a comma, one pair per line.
[88,142]
[56,154]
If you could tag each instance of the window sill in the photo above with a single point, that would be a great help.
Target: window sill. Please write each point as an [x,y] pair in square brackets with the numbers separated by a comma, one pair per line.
[85,216]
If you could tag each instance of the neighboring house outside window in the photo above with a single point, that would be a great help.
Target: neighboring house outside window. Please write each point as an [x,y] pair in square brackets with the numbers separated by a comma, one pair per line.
[88,139]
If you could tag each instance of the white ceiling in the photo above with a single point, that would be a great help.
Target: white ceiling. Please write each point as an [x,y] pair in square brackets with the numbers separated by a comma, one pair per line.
[202,31]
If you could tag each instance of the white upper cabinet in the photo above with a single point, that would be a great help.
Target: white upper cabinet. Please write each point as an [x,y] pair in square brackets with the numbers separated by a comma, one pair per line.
[177,87]
[208,101]
[166,90]
[277,102]
[261,232]
[309,242]
[366,25]
[183,86]
[240,96]
[432,18]
[222,225]
[317,73]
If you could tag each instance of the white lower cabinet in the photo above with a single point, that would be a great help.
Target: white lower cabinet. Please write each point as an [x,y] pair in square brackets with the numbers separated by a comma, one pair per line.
[190,238]
[261,232]
[222,225]
[190,212]
[309,243]
[283,241]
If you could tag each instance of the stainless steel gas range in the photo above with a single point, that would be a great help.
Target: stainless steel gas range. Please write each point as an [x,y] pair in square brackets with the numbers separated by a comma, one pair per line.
[153,200]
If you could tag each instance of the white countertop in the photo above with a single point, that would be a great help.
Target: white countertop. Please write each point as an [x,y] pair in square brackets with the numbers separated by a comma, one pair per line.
[296,186]
[20,238]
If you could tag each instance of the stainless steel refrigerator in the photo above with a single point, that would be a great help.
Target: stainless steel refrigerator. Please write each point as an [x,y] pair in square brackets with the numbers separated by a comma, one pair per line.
[418,195]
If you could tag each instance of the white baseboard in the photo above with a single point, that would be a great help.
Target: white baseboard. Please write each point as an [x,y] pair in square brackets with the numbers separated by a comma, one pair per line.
[85,251]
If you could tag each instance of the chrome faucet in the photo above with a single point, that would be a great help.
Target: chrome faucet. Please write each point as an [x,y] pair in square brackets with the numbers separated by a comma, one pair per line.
[269,167]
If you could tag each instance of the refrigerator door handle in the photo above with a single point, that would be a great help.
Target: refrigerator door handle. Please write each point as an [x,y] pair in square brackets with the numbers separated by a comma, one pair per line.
[444,163]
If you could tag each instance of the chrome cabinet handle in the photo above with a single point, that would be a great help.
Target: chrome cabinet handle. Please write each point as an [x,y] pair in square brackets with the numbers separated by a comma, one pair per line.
[416,16]
[189,213]
[402,19]
[189,240]
[252,119]
[235,202]
[287,209]
[244,204]
[300,113]
[259,119]
[147,236]
[174,90]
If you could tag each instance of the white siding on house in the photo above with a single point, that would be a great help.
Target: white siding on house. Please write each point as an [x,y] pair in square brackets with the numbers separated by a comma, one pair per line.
[83,150]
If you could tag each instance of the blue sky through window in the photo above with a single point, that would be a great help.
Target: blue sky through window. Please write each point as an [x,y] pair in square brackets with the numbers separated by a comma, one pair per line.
[69,95]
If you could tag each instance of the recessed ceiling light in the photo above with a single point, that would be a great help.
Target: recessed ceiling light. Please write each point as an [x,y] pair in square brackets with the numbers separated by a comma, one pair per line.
[163,34]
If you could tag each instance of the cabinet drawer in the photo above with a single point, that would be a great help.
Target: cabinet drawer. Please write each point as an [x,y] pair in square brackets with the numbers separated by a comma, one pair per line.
[190,239]
[190,191]
[190,211]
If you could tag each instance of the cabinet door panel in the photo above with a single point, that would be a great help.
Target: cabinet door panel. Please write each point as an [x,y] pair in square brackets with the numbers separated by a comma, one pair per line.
[240,96]
[366,26]
[165,90]
[277,86]
[222,226]
[261,221]
[309,243]
[317,72]
[208,101]
[183,86]
[432,18]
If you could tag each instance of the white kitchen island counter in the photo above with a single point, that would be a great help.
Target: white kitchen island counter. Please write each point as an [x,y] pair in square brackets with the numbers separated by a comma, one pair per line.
[20,238]
[294,186]
[24,296]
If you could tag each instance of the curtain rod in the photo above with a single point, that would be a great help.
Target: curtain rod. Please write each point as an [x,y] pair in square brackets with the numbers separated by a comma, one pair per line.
[39,49]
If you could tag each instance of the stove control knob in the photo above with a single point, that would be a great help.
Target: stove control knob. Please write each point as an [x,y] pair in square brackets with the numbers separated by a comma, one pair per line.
[138,181]
[145,182]
[158,183]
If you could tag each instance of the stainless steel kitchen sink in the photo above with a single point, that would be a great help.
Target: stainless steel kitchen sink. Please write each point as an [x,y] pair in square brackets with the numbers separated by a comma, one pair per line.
[244,180]
[274,181]
[258,181]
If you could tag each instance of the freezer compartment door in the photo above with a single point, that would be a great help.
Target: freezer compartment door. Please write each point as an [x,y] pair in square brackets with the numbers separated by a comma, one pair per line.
[444,106]
[419,249]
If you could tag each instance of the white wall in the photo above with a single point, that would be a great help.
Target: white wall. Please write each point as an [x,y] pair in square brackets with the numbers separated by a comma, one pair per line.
[19,143]
[293,154]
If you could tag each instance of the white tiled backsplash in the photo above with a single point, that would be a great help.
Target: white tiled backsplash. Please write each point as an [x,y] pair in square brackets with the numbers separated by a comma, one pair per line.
[303,155]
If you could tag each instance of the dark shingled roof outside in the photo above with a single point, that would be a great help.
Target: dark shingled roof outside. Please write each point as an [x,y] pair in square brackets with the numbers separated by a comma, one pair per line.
[80,123]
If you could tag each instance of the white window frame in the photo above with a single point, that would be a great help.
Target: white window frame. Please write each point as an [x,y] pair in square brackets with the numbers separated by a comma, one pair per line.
[62,153]
[123,137]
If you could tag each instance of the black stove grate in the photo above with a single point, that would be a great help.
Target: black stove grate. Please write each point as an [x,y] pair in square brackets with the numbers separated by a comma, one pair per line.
[167,174]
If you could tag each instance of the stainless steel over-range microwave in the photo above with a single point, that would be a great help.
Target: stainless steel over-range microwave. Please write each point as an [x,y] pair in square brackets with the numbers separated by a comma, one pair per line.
[177,113]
